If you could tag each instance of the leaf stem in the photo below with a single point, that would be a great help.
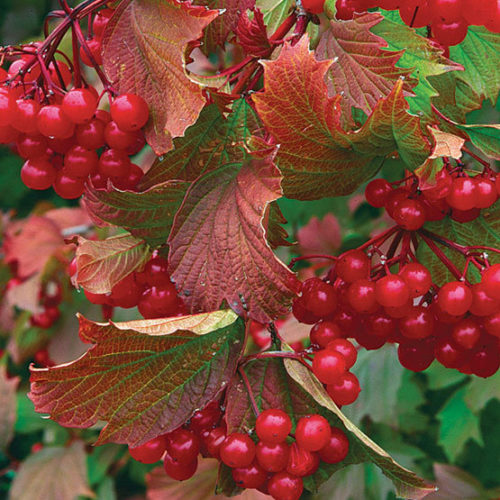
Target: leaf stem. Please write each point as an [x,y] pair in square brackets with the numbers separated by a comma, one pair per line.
[313,256]
[441,256]
[248,388]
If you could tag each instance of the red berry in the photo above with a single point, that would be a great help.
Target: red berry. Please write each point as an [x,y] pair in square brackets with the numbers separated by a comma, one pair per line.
[409,214]
[379,324]
[447,353]
[272,457]
[463,194]
[353,265]
[491,281]
[25,115]
[32,146]
[448,10]
[324,332]
[130,142]
[417,277]
[7,107]
[313,6]
[150,452]
[126,293]
[53,122]
[301,462]
[318,297]
[492,324]
[312,432]
[273,426]
[158,302]
[101,20]
[441,188]
[345,10]
[68,187]
[114,163]
[482,303]
[90,135]
[485,362]
[328,366]
[454,298]
[392,291]
[415,14]
[463,216]
[94,47]
[466,333]
[130,112]
[302,314]
[449,33]
[238,450]
[251,476]
[486,193]
[345,390]
[79,105]
[376,192]
[417,355]
[361,296]
[337,447]
[346,348]
[418,324]
[80,162]
[38,173]
[285,486]
[183,445]
[477,13]
[213,441]
[179,471]
[206,418]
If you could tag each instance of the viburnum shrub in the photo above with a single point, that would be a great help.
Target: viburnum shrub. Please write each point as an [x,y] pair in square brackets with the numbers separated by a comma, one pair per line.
[181,127]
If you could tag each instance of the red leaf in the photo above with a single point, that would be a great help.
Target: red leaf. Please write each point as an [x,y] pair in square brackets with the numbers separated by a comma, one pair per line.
[362,71]
[316,156]
[102,264]
[217,31]
[140,56]
[218,249]
[142,377]
[252,34]
[320,236]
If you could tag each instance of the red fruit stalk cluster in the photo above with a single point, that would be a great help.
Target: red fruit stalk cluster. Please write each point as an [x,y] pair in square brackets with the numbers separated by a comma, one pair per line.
[376,297]
[448,19]
[274,462]
[150,290]
[50,116]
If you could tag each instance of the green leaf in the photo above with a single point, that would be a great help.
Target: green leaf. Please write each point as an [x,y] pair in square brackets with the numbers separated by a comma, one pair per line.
[482,390]
[485,230]
[53,472]
[458,425]
[27,419]
[147,215]
[100,460]
[207,145]
[275,12]
[376,370]
[316,156]
[102,264]
[424,58]
[142,377]
[485,137]
[407,484]
[439,377]
[481,69]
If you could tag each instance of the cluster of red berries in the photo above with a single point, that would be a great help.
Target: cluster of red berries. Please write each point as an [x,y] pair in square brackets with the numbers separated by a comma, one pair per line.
[151,290]
[457,324]
[274,463]
[454,194]
[91,51]
[448,19]
[49,297]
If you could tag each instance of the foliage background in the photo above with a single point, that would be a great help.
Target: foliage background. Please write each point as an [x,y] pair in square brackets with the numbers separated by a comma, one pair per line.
[423,420]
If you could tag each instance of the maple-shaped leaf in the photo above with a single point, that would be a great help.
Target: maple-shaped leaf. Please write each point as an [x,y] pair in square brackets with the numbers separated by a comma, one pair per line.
[421,55]
[407,484]
[218,249]
[217,32]
[316,156]
[140,56]
[56,472]
[208,144]
[252,34]
[102,264]
[144,378]
[362,71]
[147,214]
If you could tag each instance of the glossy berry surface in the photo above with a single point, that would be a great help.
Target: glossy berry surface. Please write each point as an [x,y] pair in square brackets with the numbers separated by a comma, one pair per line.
[328,365]
[312,433]
[238,450]
[150,452]
[273,426]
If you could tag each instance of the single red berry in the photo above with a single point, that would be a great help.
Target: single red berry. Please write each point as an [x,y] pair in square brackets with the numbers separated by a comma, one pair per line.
[238,450]
[130,112]
[345,390]
[361,296]
[318,297]
[463,194]
[485,362]
[466,333]
[7,107]
[441,188]
[416,355]
[130,142]
[312,432]
[272,457]
[32,146]
[249,477]
[273,426]
[313,6]
[302,314]
[179,471]
[492,324]
[491,281]
[93,48]
[376,192]
[447,353]
[301,462]
[25,115]
[369,342]
[213,441]
[482,303]
[38,173]
[158,302]
[53,122]
[455,298]
[101,20]
[392,291]
[400,311]
[207,418]
[285,486]
[126,293]
[345,10]
[409,214]
[464,216]
[417,277]
[324,332]
[79,105]
[418,324]
[449,33]
[337,447]
[415,14]
[80,162]
[114,163]
[328,365]
[150,452]
[379,324]
[90,135]
[346,348]
[486,192]
[353,265]
[183,445]
[68,187]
